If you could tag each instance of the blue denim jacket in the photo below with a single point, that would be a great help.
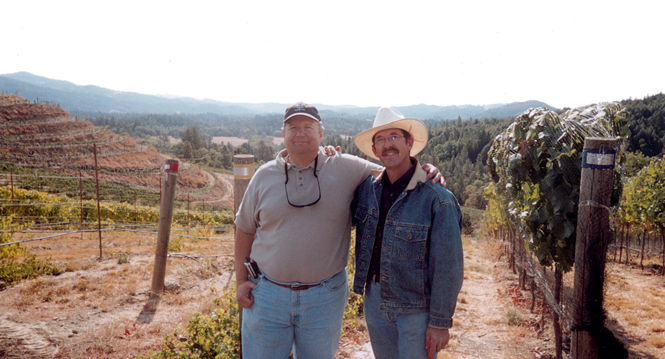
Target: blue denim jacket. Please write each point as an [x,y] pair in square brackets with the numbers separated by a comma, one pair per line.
[421,257]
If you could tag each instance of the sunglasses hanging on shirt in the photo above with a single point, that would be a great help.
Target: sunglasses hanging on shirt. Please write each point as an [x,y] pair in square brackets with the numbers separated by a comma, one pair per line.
[286,172]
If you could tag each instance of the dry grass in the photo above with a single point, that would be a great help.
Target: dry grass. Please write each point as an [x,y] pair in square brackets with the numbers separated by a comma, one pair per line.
[101,308]
[634,301]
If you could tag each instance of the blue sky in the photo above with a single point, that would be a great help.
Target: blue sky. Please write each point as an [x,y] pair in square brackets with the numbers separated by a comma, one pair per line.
[565,53]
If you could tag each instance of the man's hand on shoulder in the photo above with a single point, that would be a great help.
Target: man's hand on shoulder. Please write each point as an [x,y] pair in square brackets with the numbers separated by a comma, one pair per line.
[331,151]
[434,174]
[244,294]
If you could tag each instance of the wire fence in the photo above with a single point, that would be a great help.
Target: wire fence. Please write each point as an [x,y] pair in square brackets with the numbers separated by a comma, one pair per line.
[119,227]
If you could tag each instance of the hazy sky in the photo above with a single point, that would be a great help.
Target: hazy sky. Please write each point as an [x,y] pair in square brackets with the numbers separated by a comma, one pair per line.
[565,53]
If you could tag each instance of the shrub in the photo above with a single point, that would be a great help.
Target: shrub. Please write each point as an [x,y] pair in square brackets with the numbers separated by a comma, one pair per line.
[12,271]
[354,306]
[206,336]
[7,229]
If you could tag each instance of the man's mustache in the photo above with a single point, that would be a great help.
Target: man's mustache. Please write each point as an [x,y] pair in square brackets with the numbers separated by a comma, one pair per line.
[385,150]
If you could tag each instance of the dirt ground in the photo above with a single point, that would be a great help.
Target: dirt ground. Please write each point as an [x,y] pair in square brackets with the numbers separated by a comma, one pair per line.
[103,308]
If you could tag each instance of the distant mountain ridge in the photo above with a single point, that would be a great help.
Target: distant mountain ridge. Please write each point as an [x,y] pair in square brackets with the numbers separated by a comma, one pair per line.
[76,98]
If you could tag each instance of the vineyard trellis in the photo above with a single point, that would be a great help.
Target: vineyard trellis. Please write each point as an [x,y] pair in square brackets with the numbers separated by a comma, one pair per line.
[640,218]
[535,165]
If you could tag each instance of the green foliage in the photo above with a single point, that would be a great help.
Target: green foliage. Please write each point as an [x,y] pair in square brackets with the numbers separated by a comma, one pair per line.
[123,258]
[7,229]
[536,165]
[354,305]
[644,197]
[471,219]
[69,186]
[459,149]
[633,162]
[206,336]
[12,271]
[176,244]
[193,136]
[48,207]
[647,124]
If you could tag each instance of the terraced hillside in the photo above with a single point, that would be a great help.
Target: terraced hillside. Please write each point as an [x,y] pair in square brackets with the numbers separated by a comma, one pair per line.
[39,135]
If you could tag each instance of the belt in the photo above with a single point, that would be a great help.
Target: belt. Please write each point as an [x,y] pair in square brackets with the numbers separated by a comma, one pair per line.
[293,286]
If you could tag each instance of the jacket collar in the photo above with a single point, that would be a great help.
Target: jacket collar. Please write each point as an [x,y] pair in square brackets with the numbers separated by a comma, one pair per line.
[418,176]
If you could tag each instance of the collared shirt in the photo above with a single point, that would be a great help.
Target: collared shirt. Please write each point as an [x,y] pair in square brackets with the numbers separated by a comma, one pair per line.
[389,194]
[307,244]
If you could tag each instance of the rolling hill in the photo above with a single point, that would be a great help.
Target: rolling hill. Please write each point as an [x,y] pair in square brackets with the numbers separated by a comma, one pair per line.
[75,98]
[44,136]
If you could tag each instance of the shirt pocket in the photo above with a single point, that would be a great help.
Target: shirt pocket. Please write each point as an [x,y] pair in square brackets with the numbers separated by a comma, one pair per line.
[411,242]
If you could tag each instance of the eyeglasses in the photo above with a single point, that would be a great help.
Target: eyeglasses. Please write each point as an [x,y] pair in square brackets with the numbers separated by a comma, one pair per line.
[390,139]
[318,184]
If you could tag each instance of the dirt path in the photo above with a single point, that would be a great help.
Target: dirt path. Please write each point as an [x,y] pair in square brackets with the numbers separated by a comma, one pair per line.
[492,319]
[227,180]
[102,309]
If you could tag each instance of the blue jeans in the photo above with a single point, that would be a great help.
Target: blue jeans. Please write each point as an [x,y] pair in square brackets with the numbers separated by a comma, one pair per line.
[392,334]
[310,320]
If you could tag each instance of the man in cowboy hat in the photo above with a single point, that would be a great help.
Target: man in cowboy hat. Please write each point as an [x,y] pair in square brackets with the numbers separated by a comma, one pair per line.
[293,230]
[409,262]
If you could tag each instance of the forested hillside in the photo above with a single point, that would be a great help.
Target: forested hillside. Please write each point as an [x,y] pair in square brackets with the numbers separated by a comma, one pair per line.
[459,147]
[646,121]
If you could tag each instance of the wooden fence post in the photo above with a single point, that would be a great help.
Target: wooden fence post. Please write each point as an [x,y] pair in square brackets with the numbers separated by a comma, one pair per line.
[81,203]
[243,170]
[165,217]
[11,186]
[99,212]
[593,233]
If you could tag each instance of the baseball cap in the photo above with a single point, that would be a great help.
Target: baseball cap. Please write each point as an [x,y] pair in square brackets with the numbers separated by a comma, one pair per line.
[302,109]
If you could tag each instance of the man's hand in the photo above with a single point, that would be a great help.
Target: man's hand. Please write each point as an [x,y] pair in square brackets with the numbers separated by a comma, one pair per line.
[436,339]
[331,151]
[244,294]
[434,174]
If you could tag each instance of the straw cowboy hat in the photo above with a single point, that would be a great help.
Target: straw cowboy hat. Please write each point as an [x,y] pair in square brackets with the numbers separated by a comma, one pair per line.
[386,118]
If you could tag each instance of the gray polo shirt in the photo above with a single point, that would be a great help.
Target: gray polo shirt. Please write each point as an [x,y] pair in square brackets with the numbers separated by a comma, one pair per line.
[307,244]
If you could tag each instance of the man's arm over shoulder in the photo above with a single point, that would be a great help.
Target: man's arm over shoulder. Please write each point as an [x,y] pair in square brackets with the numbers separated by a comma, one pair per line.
[358,167]
[446,259]
[358,204]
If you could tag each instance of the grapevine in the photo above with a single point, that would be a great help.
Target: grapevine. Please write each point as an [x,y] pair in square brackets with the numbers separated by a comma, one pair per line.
[536,163]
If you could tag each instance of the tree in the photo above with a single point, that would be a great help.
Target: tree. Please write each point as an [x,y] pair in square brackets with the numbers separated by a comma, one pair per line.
[192,135]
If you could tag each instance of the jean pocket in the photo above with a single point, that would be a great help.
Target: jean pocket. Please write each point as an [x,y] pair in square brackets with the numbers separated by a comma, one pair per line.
[336,282]
[258,282]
